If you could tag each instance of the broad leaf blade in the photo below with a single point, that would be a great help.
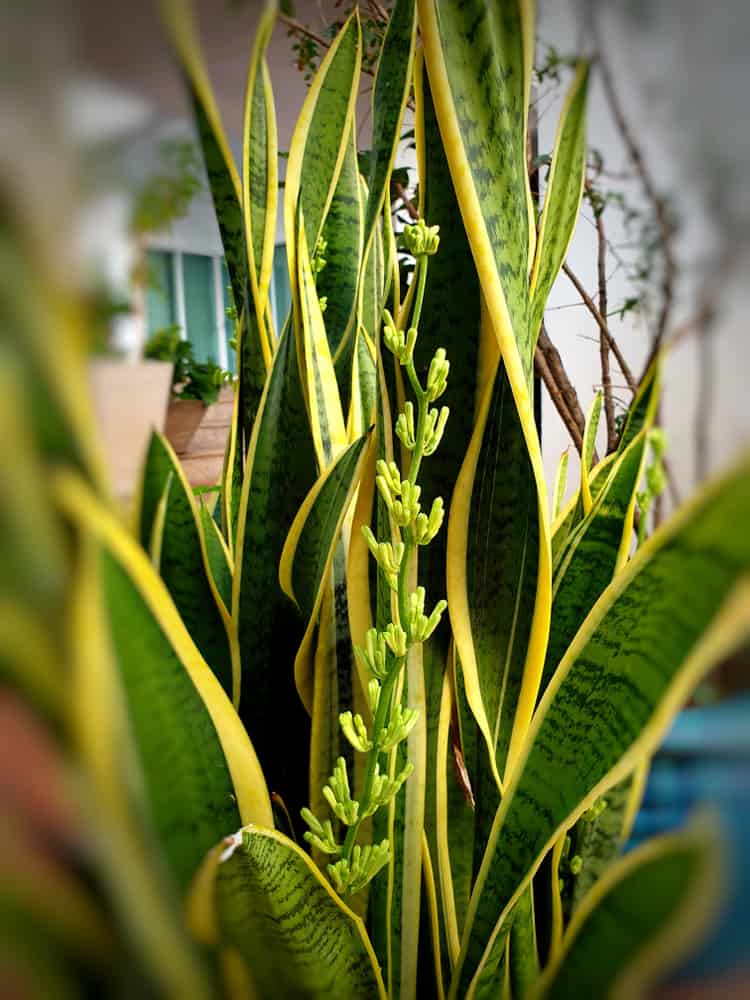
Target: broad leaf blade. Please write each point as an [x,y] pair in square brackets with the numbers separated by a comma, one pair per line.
[218,557]
[197,770]
[562,199]
[184,564]
[280,471]
[649,639]
[297,937]
[640,920]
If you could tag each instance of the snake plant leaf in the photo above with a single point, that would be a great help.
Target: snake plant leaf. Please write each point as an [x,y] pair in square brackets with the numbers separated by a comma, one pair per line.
[260,182]
[479,66]
[308,551]
[587,452]
[190,746]
[324,401]
[493,568]
[562,199]
[596,550]
[156,537]
[390,93]
[320,140]
[280,470]
[29,659]
[218,557]
[477,58]
[343,236]
[644,646]
[184,564]
[262,895]
[616,946]
[231,477]
[561,481]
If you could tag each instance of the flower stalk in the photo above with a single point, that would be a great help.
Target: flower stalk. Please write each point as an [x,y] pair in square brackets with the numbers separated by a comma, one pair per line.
[420,428]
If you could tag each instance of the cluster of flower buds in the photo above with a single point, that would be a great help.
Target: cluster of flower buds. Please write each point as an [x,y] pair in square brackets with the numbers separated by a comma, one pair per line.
[420,625]
[373,658]
[338,795]
[387,555]
[320,835]
[398,343]
[352,875]
[420,240]
[355,730]
[400,724]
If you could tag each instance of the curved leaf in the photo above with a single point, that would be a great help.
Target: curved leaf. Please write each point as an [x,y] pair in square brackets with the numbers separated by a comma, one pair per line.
[197,767]
[587,452]
[260,182]
[562,199]
[308,551]
[218,557]
[616,946]
[320,139]
[184,564]
[280,470]
[263,896]
[648,640]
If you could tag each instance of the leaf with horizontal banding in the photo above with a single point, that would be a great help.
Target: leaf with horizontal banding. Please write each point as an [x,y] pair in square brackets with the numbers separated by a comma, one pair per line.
[478,64]
[593,554]
[389,97]
[562,199]
[262,895]
[231,476]
[644,646]
[479,70]
[641,920]
[561,480]
[183,563]
[587,451]
[280,471]
[324,401]
[218,557]
[308,551]
[320,139]
[197,768]
[343,235]
[260,182]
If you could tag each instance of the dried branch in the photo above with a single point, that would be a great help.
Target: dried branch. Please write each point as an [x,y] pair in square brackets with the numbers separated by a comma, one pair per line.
[601,266]
[602,324]
[659,204]
[542,370]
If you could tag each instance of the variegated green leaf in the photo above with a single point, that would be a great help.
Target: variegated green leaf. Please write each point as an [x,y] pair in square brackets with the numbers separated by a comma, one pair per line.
[321,136]
[562,199]
[618,947]
[218,557]
[561,480]
[280,471]
[309,548]
[587,452]
[261,895]
[195,769]
[648,640]
[390,93]
[183,561]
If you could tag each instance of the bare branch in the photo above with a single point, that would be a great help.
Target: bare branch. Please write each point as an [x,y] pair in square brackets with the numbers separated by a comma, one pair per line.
[601,266]
[542,369]
[658,203]
[297,28]
[602,324]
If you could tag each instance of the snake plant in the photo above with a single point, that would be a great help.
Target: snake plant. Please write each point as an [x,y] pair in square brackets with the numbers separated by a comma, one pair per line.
[300,774]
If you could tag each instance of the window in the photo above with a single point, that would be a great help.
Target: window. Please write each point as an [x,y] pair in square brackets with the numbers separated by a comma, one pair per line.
[192,291]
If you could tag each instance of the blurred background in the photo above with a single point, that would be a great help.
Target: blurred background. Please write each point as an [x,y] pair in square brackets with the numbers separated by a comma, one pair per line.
[97,141]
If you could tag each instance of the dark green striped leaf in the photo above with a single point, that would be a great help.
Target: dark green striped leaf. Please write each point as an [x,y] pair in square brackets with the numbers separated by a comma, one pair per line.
[296,936]
[640,920]
[280,470]
[217,555]
[183,562]
[647,642]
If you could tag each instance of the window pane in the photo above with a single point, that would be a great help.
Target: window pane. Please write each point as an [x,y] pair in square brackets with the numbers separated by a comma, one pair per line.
[160,310]
[200,312]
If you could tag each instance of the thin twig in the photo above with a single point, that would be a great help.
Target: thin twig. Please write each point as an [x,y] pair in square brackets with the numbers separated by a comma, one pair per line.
[601,266]
[602,324]
[659,204]
[542,369]
[564,387]
[296,27]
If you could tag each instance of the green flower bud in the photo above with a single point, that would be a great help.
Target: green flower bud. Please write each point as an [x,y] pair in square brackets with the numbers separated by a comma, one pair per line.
[393,338]
[355,730]
[395,638]
[405,430]
[420,626]
[401,723]
[373,658]
[434,429]
[338,794]
[425,528]
[350,876]
[421,240]
[320,835]
[373,694]
[437,376]
[576,864]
